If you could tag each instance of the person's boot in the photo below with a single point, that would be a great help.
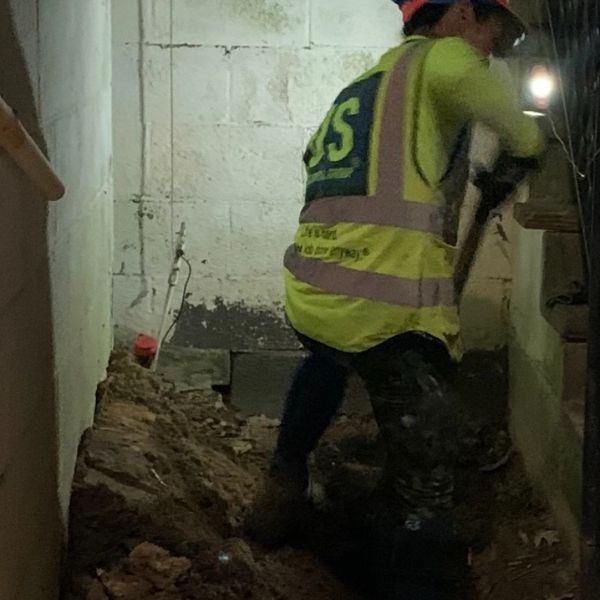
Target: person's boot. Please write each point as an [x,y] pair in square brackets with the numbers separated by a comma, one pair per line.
[282,507]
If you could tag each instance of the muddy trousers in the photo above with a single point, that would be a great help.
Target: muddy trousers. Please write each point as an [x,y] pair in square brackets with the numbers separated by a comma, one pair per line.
[408,379]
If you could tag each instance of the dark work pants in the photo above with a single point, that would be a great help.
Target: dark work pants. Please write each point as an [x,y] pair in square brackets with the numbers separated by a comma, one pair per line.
[408,380]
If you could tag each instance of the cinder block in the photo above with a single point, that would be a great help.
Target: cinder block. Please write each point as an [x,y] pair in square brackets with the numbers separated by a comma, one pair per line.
[241,163]
[260,234]
[201,85]
[260,82]
[156,80]
[154,21]
[235,23]
[292,86]
[127,124]
[354,23]
[208,235]
[125,22]
[142,139]
[143,244]
[194,368]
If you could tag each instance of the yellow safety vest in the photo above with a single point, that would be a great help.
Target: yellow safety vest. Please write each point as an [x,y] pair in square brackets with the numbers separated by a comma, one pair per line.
[374,254]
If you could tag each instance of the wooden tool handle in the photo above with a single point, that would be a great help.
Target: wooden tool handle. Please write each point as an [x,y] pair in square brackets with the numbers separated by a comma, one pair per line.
[27,154]
[467,255]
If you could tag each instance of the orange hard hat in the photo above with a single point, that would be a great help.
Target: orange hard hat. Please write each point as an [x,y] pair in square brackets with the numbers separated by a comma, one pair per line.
[410,7]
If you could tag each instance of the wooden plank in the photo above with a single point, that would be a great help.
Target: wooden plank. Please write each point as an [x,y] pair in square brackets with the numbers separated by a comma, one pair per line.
[570,322]
[550,217]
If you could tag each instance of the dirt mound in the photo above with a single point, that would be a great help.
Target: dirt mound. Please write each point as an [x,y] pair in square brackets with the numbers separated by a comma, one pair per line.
[162,484]
[164,480]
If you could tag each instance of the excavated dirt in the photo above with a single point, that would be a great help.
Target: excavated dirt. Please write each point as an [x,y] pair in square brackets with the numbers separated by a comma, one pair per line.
[164,480]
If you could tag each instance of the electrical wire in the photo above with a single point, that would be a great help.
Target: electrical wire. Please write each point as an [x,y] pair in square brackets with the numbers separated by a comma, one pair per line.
[183,298]
[567,147]
[172,118]
[563,144]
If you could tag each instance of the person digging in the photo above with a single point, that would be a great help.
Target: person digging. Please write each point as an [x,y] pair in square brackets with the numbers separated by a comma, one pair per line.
[370,277]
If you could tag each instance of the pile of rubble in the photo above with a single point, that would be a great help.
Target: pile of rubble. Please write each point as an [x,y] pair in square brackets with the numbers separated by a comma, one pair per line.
[162,484]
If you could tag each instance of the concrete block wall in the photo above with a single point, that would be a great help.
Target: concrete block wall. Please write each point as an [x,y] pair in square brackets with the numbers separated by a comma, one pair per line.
[214,102]
[55,276]
[546,391]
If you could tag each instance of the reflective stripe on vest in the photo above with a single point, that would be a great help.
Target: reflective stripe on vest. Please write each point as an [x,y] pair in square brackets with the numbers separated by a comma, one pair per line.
[375,210]
[371,286]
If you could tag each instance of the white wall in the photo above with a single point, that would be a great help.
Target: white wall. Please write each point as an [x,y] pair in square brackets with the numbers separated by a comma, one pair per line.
[76,112]
[248,82]
[55,276]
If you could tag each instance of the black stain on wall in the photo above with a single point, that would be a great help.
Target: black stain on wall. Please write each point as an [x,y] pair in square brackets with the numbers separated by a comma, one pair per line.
[234,326]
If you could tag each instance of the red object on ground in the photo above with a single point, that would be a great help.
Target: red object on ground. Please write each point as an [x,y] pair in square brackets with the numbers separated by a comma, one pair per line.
[145,348]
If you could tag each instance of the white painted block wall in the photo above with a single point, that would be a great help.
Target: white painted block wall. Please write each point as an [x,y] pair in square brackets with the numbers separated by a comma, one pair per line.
[55,277]
[214,102]
[248,82]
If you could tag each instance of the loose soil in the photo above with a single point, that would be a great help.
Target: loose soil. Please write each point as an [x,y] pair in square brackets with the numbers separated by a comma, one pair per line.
[164,480]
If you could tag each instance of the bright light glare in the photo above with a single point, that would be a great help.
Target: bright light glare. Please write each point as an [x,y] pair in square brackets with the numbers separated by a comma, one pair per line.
[534,113]
[542,84]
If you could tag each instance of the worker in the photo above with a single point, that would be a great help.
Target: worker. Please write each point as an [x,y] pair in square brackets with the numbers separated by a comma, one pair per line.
[369,277]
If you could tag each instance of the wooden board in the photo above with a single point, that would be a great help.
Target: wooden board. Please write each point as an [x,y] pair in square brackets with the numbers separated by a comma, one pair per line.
[550,217]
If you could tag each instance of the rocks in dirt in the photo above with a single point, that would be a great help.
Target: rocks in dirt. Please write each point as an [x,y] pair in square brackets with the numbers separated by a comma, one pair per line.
[232,560]
[157,565]
[156,463]
[148,573]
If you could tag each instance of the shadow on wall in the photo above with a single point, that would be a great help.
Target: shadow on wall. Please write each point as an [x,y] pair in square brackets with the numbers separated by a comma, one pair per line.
[31,531]
[484,321]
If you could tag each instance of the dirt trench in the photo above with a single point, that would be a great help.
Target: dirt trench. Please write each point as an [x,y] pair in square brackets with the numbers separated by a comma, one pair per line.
[164,480]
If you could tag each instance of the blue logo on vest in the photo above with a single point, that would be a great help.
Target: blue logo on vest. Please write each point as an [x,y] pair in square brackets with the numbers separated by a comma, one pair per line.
[337,157]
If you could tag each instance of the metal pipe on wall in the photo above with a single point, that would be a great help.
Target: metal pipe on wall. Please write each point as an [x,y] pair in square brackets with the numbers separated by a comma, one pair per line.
[27,155]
